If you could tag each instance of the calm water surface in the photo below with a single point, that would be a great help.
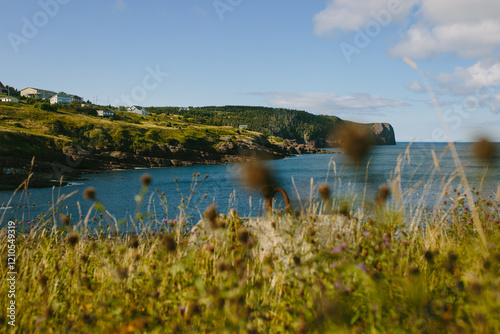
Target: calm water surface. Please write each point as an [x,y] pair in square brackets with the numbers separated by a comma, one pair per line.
[116,189]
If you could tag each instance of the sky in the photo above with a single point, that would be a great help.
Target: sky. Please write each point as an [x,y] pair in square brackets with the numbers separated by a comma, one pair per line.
[416,64]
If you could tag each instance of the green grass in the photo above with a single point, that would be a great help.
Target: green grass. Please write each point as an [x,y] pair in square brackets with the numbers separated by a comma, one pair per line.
[391,268]
[22,125]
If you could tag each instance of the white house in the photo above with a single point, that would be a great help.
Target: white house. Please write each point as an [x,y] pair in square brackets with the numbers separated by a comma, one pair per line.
[105,113]
[243,127]
[61,98]
[9,99]
[137,110]
[37,93]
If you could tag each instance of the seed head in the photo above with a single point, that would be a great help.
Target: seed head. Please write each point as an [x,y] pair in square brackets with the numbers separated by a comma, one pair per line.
[134,242]
[483,149]
[89,193]
[383,194]
[429,256]
[257,176]
[324,192]
[169,243]
[355,142]
[72,239]
[243,236]
[212,216]
[43,280]
[65,220]
[146,180]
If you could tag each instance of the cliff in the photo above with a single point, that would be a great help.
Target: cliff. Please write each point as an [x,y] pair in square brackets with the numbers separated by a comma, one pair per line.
[383,134]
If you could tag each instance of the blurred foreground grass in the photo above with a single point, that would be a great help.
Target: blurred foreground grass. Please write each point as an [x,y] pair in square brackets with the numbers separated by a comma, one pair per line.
[386,268]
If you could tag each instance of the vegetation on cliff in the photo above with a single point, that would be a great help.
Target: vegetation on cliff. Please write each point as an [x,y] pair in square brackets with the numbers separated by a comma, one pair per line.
[285,123]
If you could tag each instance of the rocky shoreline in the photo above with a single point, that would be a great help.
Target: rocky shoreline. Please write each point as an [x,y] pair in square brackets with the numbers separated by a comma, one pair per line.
[57,168]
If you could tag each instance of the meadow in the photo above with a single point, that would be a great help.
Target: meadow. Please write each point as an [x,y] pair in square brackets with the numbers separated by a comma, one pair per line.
[385,266]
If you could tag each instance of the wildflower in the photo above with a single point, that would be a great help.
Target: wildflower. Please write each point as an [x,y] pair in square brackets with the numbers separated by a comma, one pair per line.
[165,221]
[146,180]
[366,234]
[89,193]
[362,267]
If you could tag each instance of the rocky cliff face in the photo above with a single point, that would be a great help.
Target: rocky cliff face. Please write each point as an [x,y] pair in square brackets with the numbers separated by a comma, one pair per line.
[383,134]
[48,167]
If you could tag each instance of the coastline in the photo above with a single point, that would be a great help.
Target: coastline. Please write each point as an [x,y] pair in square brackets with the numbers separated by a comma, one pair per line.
[62,167]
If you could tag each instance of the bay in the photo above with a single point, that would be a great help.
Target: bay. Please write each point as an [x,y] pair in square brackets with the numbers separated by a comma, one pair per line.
[117,189]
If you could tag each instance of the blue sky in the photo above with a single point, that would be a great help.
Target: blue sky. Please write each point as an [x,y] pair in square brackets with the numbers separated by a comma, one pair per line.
[336,57]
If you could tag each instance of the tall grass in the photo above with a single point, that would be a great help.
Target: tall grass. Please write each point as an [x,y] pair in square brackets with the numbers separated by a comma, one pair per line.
[387,265]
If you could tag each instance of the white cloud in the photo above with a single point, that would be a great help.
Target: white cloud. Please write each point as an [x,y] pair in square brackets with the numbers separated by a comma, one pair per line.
[468,40]
[468,28]
[348,15]
[482,76]
[331,103]
[416,87]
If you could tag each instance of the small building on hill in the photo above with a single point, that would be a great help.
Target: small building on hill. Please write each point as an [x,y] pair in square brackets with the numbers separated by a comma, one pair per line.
[9,99]
[105,113]
[137,110]
[3,90]
[61,99]
[37,93]
[76,98]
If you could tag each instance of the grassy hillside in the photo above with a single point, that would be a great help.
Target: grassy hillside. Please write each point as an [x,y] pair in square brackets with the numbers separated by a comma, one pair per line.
[285,123]
[28,128]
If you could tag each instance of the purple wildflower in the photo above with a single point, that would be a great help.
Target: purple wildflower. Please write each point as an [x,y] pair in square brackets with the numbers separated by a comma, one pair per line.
[362,267]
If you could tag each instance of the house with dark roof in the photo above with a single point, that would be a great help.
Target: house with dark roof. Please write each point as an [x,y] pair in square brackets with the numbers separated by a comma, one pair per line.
[37,93]
[3,90]
[137,110]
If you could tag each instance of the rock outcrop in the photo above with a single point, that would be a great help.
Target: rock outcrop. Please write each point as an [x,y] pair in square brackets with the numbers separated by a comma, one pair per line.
[383,134]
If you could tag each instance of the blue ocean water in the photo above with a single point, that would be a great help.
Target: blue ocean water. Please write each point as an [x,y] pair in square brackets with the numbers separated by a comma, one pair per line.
[117,189]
